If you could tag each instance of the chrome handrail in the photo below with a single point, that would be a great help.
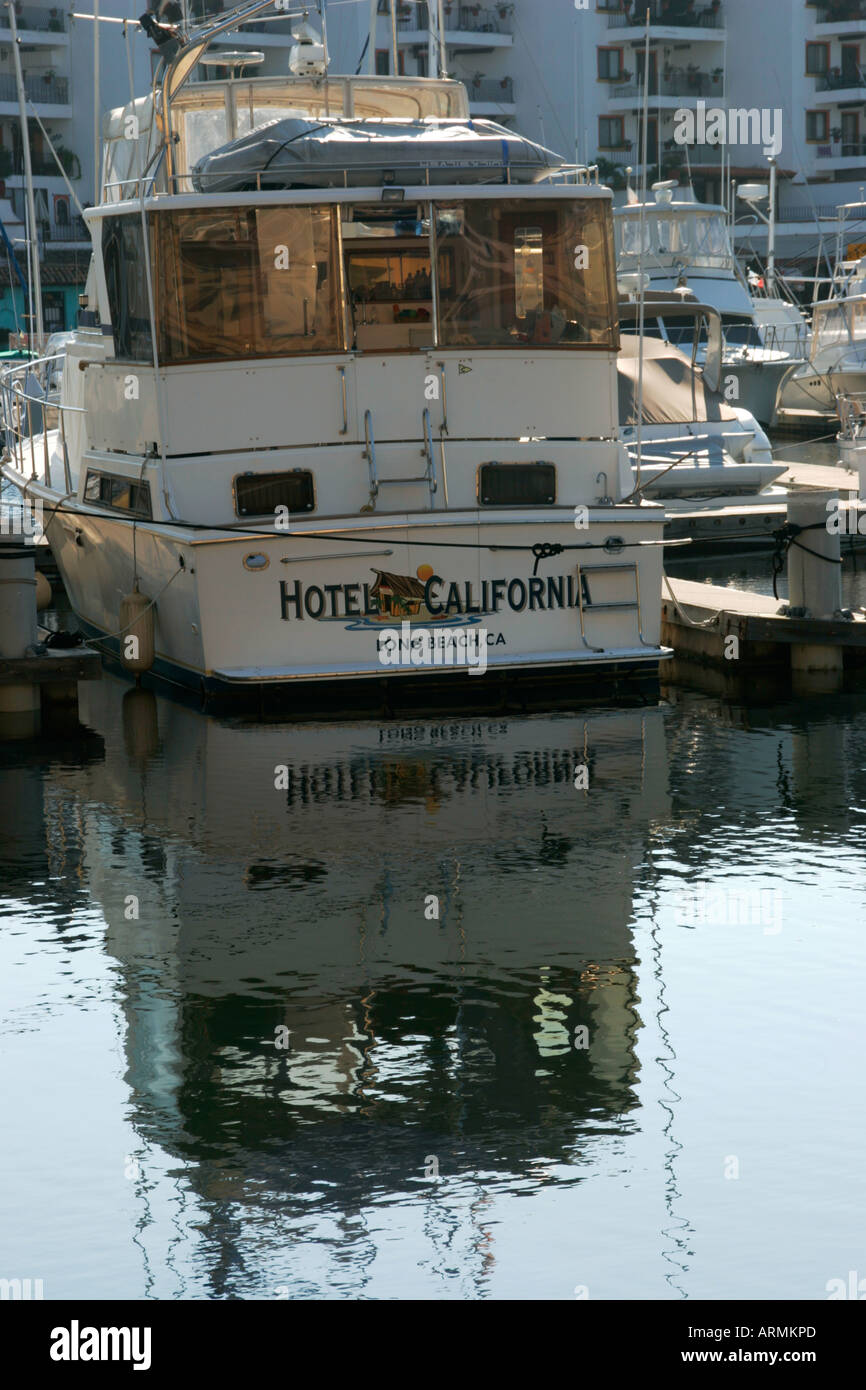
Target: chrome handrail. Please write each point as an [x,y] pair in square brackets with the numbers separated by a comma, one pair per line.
[17,403]
[370,456]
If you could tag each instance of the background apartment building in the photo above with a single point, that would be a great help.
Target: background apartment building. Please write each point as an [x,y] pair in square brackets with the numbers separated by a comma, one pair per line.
[566,72]
[571,74]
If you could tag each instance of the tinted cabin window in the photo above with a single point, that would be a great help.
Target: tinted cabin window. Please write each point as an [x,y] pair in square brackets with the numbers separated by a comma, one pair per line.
[126,282]
[516,484]
[515,273]
[122,494]
[258,494]
[247,283]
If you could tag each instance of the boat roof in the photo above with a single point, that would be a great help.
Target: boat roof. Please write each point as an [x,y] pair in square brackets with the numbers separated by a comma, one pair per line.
[676,205]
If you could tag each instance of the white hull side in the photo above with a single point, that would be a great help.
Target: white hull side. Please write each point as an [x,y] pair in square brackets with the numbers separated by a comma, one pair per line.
[302,616]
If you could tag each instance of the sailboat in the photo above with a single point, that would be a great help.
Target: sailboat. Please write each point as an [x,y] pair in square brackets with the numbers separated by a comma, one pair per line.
[347,368]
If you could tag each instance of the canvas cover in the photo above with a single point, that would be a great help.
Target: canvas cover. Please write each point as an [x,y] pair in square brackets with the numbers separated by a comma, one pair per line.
[297,152]
[668,386]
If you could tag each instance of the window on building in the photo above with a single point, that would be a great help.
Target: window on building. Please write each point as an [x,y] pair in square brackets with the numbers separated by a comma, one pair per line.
[851,62]
[383,62]
[126,282]
[611,133]
[817,126]
[610,65]
[817,58]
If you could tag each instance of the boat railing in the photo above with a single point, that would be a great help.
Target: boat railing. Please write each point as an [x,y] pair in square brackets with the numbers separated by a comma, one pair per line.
[25,401]
[337,176]
[851,409]
[790,339]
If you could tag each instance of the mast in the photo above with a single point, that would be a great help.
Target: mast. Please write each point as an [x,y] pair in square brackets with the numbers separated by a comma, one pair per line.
[97,179]
[641,235]
[443,59]
[35,275]
[771,233]
[394,37]
[371,56]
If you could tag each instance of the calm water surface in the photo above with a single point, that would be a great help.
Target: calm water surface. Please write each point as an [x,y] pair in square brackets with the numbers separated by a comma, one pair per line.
[625,1058]
[623,1061]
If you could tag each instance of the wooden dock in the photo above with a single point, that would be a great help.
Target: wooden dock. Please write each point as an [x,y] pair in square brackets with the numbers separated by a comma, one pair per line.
[55,672]
[734,643]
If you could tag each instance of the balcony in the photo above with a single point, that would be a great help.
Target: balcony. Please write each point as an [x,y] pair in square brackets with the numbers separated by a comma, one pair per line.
[672,86]
[34,21]
[43,90]
[475,28]
[491,96]
[845,84]
[42,166]
[277,32]
[840,13]
[841,154]
[671,14]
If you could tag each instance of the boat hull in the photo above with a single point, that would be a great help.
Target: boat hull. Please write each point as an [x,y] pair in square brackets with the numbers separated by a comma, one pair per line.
[370,602]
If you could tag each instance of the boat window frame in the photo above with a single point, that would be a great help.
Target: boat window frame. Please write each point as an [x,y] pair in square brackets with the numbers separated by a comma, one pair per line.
[430,206]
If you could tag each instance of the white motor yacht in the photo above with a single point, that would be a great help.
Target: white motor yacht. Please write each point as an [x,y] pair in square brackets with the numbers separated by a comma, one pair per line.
[348,367]
[685,247]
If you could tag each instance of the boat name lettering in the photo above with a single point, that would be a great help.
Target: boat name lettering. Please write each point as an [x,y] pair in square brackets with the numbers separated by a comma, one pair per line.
[437,598]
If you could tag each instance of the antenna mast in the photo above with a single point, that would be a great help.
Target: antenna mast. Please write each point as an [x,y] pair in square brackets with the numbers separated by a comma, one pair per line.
[35,274]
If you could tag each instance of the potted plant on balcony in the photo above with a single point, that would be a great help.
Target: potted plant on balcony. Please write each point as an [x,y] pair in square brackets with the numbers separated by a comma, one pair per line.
[505,11]
[836,132]
[55,21]
[70,161]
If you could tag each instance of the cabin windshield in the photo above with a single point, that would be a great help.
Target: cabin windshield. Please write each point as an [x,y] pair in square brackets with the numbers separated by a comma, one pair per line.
[281,280]
[697,238]
[838,323]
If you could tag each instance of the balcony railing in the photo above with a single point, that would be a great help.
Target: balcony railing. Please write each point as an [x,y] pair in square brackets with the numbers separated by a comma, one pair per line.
[681,14]
[836,81]
[467,19]
[73,230]
[492,89]
[43,165]
[807,214]
[39,21]
[38,89]
[842,149]
[677,84]
[839,11]
[203,9]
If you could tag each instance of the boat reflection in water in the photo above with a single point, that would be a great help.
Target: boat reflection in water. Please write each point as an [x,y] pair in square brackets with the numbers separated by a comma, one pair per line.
[487,1045]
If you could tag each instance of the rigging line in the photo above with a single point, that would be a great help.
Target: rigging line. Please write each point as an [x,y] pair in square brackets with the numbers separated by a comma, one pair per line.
[247,532]
[527,48]
[689,622]
[108,636]
[681,459]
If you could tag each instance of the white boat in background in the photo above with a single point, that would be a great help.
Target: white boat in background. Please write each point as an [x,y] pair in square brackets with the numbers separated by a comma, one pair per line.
[686,247]
[320,396]
[837,354]
[709,463]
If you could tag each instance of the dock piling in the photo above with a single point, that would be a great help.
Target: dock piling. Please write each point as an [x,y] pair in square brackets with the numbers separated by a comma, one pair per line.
[20,703]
